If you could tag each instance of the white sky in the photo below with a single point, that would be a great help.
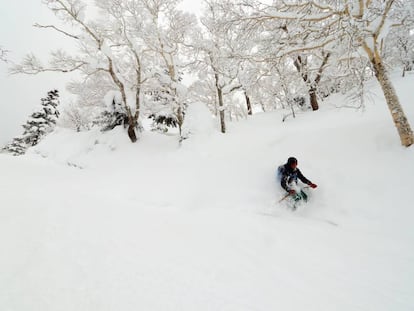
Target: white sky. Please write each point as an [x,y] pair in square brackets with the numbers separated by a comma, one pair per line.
[20,94]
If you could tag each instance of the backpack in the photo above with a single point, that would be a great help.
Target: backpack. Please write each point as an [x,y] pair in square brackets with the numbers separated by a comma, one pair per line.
[279,173]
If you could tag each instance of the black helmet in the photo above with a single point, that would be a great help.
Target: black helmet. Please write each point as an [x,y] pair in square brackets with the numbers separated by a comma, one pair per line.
[292,160]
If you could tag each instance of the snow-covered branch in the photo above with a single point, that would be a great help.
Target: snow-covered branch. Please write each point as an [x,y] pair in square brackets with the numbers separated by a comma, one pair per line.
[60,62]
[57,29]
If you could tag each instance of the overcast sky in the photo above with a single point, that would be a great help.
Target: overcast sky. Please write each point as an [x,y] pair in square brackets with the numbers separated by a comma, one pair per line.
[20,94]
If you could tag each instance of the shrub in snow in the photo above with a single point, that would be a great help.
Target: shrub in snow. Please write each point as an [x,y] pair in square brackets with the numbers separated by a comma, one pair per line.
[114,113]
[39,124]
[161,121]
[76,117]
[300,101]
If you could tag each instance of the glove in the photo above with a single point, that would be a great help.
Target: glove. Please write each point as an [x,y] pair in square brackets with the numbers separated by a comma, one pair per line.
[313,186]
[292,191]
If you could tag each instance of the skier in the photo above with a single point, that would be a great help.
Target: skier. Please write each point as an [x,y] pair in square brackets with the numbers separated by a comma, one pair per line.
[288,175]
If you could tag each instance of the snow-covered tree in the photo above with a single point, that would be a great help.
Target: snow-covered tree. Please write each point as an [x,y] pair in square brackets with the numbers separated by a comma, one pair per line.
[16,147]
[168,31]
[39,124]
[106,45]
[311,75]
[354,27]
[114,113]
[42,122]
[91,90]
[127,44]
[215,61]
[399,47]
[162,106]
[249,77]
[76,118]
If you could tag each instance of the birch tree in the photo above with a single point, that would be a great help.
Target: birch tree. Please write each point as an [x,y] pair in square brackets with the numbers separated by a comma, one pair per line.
[358,25]
[399,47]
[168,31]
[215,58]
[104,46]
[371,43]
[311,76]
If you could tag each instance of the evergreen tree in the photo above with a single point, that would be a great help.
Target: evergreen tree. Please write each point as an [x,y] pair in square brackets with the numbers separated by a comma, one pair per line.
[39,124]
[162,112]
[164,107]
[16,147]
[42,122]
[113,115]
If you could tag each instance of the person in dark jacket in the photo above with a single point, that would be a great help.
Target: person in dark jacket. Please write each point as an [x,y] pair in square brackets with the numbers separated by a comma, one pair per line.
[288,175]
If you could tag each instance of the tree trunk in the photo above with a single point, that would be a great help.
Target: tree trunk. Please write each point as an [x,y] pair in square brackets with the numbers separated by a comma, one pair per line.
[397,112]
[131,123]
[249,105]
[131,128]
[221,108]
[300,65]
[180,119]
[137,104]
[312,90]
[221,104]
[313,99]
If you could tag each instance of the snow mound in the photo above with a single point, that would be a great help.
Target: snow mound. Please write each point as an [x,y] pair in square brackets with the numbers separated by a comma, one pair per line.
[198,122]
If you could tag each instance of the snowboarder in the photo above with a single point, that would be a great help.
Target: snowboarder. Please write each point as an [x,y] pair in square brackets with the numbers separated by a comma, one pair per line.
[288,175]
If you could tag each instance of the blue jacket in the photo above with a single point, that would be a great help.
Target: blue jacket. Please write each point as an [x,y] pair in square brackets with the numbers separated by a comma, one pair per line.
[286,175]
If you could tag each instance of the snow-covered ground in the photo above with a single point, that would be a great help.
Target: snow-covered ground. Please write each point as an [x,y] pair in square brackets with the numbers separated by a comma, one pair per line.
[90,221]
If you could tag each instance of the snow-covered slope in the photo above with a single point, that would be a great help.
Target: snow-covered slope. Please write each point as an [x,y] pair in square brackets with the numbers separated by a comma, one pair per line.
[89,221]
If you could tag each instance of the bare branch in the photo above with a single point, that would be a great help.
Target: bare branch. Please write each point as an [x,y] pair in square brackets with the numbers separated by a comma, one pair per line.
[234,88]
[383,17]
[32,65]
[57,29]
[74,11]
